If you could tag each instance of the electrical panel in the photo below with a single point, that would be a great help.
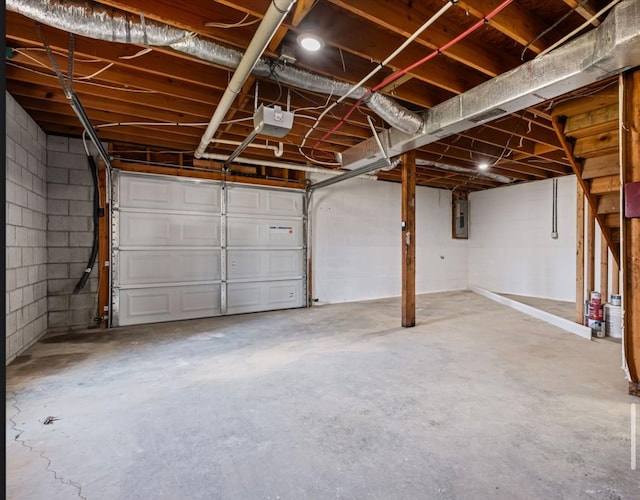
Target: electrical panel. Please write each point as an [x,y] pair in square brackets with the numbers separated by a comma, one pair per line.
[461,219]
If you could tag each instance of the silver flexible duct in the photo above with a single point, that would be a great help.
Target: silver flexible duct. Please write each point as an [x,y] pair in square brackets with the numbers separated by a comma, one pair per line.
[611,48]
[453,168]
[95,21]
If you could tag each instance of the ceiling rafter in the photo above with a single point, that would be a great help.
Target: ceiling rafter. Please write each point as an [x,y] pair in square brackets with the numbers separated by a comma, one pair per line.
[523,27]
[358,34]
[586,10]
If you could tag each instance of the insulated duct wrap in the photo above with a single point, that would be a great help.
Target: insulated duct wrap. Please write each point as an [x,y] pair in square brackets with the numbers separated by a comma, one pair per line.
[390,111]
[454,168]
[605,51]
[95,21]
[206,50]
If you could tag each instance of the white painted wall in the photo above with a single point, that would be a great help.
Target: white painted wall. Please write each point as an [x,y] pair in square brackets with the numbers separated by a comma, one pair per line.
[356,239]
[510,244]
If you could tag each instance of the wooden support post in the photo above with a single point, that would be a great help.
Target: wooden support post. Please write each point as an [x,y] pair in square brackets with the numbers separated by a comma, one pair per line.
[615,278]
[103,248]
[591,250]
[409,239]
[579,254]
[630,163]
[604,268]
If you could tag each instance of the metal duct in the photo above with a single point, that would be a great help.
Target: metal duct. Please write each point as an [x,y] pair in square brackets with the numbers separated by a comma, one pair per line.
[611,48]
[386,108]
[454,168]
[95,21]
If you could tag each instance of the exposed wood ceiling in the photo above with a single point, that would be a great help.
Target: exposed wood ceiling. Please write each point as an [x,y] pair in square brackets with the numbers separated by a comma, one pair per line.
[163,86]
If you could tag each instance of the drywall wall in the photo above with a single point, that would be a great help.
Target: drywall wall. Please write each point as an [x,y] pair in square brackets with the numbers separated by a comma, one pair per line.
[510,244]
[69,234]
[356,241]
[26,223]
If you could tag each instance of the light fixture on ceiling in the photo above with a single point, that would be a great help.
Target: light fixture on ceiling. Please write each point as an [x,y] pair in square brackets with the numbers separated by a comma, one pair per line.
[310,42]
[483,166]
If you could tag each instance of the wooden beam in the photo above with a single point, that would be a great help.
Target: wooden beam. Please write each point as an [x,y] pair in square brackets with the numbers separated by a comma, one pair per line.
[593,122]
[579,254]
[200,174]
[409,239]
[584,104]
[615,278]
[558,124]
[586,10]
[609,204]
[604,185]
[597,145]
[402,18]
[302,8]
[612,220]
[630,160]
[604,268]
[521,27]
[104,255]
[591,249]
[601,166]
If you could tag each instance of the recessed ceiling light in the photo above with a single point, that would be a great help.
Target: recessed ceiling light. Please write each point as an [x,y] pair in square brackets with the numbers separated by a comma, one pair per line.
[483,166]
[310,42]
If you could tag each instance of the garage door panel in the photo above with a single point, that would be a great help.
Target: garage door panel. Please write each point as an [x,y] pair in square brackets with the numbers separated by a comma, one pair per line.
[284,203]
[264,296]
[168,229]
[253,201]
[153,305]
[169,261]
[168,266]
[201,197]
[264,264]
[146,192]
[245,231]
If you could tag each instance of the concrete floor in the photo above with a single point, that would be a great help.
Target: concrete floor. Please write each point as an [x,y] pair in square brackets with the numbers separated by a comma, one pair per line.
[477,401]
[560,308]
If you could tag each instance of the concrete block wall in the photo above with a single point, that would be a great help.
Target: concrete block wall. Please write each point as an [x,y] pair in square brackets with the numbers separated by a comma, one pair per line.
[26,225]
[69,235]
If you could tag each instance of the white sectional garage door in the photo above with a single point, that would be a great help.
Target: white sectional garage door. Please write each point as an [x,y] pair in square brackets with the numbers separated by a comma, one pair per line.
[265,253]
[185,248]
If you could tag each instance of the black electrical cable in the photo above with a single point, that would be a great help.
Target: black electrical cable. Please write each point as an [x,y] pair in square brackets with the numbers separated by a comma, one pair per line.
[97,213]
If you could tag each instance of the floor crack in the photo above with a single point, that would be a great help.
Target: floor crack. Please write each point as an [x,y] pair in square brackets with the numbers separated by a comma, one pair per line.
[57,477]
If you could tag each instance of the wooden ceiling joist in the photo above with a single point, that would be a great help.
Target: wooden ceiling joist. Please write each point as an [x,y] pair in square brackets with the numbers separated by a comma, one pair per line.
[164,85]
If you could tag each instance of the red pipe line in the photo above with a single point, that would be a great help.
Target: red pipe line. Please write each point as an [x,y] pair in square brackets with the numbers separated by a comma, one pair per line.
[398,74]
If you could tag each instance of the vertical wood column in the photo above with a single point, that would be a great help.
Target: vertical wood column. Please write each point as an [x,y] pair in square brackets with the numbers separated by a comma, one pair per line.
[604,268]
[579,254]
[615,278]
[591,250]
[630,262]
[409,239]
[104,256]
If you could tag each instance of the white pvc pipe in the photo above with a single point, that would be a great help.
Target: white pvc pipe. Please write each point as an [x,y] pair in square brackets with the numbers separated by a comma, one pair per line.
[270,23]
[579,28]
[276,164]
[277,150]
